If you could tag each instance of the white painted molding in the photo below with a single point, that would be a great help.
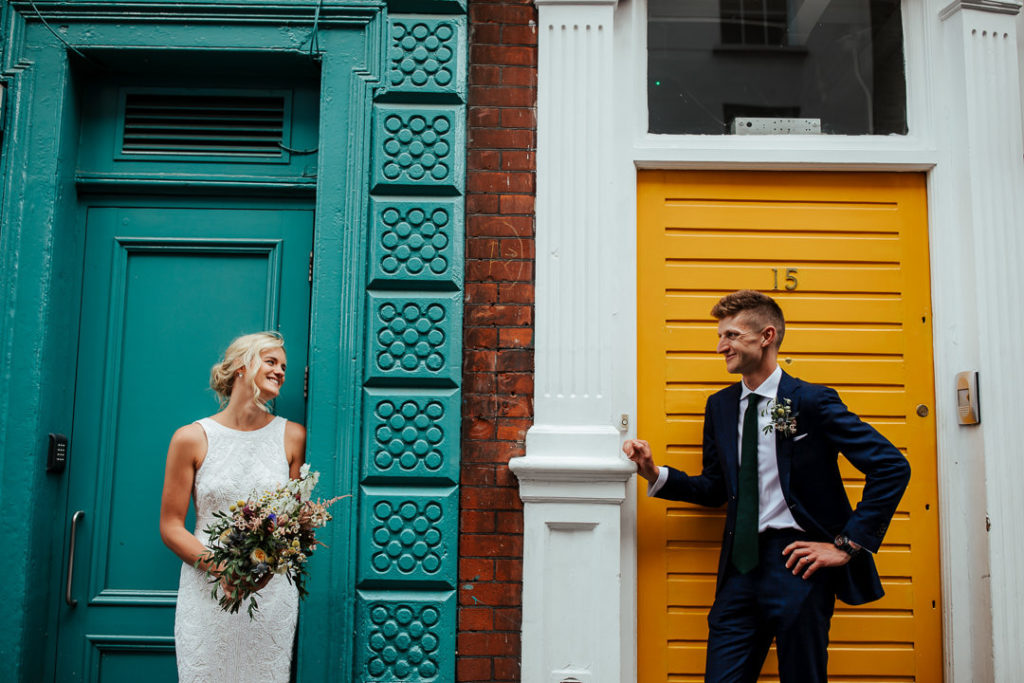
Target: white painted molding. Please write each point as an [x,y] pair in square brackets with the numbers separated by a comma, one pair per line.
[573,479]
[573,213]
[995,6]
[571,603]
[987,145]
[593,480]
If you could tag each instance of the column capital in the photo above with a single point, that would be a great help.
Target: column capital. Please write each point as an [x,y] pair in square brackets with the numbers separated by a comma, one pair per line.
[1011,7]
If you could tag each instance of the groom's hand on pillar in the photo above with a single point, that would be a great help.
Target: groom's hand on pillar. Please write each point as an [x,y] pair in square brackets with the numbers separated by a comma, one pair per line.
[639,451]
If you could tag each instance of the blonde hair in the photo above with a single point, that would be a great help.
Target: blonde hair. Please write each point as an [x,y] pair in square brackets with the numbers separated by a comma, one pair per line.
[243,352]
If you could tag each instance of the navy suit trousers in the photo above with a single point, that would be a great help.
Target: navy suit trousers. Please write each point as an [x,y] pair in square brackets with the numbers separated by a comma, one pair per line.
[770,602]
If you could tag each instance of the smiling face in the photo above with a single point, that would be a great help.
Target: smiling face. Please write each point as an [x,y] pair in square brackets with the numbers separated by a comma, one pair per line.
[270,373]
[747,346]
[252,369]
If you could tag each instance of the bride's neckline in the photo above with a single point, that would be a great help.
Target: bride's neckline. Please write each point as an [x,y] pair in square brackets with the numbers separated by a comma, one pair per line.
[243,431]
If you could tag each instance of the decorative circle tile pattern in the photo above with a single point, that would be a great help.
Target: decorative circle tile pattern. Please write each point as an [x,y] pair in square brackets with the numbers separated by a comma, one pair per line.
[403,641]
[422,55]
[411,335]
[414,241]
[406,537]
[409,410]
[416,148]
[408,436]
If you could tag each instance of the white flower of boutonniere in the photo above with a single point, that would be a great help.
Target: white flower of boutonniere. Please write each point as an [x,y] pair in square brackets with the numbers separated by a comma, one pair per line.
[782,418]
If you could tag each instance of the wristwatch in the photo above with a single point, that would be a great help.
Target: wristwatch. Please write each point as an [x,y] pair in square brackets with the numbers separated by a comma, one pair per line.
[843,543]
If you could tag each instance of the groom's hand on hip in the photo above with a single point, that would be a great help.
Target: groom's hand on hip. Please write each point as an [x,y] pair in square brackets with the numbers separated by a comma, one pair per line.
[806,557]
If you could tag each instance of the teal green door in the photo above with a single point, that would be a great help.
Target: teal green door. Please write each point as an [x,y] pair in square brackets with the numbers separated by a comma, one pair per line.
[168,283]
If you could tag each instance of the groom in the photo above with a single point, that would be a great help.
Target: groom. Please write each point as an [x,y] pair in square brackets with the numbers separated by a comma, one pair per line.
[792,542]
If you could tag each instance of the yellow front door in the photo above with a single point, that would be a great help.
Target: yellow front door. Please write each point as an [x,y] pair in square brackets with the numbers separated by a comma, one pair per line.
[846,256]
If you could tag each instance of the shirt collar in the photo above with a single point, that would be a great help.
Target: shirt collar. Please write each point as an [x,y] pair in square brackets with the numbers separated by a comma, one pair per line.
[768,389]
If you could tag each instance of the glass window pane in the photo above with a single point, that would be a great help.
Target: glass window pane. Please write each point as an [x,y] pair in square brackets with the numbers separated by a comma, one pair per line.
[838,63]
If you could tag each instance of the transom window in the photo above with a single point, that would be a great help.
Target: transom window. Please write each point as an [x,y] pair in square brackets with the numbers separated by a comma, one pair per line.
[776,66]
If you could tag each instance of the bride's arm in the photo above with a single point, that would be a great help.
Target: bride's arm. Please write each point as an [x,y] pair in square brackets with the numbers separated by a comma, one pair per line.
[187,449]
[295,447]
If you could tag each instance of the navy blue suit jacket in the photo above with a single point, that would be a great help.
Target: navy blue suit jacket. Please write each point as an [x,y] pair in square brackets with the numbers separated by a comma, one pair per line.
[809,476]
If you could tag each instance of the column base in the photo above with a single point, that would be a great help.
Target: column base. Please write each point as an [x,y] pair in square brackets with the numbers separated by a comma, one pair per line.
[572,482]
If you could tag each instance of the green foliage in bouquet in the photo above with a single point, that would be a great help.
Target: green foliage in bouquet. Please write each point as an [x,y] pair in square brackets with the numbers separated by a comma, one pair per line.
[273,533]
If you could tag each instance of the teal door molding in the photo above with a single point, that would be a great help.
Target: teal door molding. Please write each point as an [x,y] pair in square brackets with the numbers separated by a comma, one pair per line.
[386,183]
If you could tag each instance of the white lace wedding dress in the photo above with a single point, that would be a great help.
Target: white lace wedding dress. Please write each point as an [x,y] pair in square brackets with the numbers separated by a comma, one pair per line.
[212,645]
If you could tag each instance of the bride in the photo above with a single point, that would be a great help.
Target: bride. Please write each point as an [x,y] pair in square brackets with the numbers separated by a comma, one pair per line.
[216,461]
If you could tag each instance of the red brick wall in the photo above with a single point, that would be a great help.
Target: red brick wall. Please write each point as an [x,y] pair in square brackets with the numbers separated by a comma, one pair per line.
[498,334]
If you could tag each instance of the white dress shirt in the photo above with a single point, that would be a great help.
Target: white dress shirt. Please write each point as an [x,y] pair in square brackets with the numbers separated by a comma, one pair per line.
[773,512]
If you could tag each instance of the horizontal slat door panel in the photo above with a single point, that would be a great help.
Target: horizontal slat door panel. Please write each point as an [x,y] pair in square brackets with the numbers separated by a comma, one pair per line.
[681,306]
[883,341]
[691,399]
[846,256]
[787,248]
[862,278]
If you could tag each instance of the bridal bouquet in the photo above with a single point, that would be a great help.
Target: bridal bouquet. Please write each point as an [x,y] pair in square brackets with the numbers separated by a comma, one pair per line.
[273,533]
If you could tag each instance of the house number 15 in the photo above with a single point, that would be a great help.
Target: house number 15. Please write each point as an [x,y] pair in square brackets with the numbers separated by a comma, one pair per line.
[790,278]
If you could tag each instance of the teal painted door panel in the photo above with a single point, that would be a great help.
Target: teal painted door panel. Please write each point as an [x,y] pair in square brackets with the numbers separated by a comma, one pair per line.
[124,663]
[166,287]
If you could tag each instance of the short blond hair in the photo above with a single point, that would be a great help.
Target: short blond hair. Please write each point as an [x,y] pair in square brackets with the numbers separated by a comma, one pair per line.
[243,352]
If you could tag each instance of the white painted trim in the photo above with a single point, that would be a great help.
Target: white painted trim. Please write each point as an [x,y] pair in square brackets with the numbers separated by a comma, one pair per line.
[986,173]
[573,479]
[997,6]
[655,150]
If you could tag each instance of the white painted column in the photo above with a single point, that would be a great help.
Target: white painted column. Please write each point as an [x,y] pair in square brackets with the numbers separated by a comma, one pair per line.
[977,284]
[573,478]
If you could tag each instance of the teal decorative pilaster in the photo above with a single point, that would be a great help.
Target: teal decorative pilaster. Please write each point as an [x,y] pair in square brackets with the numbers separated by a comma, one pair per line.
[409,469]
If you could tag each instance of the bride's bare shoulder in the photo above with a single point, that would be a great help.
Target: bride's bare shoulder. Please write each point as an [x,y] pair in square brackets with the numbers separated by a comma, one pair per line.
[189,440]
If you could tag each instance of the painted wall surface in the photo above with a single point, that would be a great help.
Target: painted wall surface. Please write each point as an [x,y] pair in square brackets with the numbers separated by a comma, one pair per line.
[385,348]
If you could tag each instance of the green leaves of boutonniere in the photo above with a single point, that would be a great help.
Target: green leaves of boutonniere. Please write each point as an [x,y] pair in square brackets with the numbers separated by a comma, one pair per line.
[781,416]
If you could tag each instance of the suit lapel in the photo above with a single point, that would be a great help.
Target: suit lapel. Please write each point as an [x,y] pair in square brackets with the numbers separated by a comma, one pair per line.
[727,422]
[788,388]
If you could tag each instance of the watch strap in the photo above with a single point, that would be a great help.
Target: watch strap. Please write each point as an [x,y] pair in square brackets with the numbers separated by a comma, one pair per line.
[843,543]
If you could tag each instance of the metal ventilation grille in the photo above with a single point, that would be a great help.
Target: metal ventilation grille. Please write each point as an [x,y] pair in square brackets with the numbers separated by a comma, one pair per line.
[211,125]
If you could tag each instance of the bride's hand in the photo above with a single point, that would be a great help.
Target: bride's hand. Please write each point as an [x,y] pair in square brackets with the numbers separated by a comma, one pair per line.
[264,580]
[229,588]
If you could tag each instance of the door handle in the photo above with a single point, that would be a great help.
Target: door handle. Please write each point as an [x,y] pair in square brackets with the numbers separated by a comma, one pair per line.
[75,519]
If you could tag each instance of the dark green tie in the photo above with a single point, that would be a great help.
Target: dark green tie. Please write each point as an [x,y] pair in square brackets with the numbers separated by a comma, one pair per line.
[744,547]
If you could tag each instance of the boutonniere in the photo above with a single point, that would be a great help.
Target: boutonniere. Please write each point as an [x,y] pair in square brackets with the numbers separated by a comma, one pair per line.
[781,417]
